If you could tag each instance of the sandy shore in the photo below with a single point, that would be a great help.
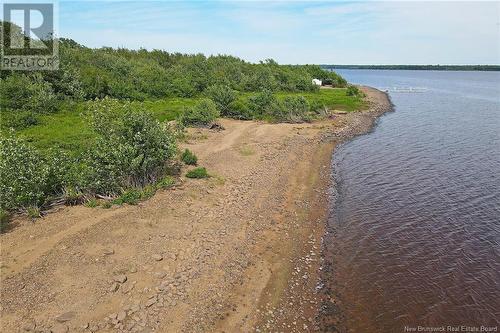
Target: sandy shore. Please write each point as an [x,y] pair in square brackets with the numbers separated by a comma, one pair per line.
[239,252]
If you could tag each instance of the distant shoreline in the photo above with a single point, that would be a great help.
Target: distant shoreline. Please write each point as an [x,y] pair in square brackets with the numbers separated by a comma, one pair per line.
[482,68]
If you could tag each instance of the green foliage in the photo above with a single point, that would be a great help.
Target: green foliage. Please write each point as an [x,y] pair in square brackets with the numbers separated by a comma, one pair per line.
[28,93]
[189,157]
[91,203]
[133,196]
[27,177]
[72,196]
[19,119]
[352,91]
[239,110]
[34,212]
[262,103]
[132,149]
[165,182]
[223,96]
[292,109]
[130,196]
[197,173]
[204,113]
[24,174]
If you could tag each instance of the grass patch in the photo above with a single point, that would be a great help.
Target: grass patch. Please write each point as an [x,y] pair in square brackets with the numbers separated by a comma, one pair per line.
[166,182]
[189,157]
[92,203]
[33,212]
[335,98]
[198,173]
[131,197]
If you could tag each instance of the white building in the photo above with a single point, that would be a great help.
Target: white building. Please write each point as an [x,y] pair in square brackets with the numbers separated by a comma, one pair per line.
[317,82]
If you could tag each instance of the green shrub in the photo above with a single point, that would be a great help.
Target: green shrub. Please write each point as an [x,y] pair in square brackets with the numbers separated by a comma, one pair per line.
[29,93]
[352,91]
[262,103]
[130,196]
[166,182]
[24,174]
[198,173]
[34,212]
[91,203]
[19,119]
[72,196]
[132,149]
[239,110]
[203,113]
[292,109]
[222,96]
[189,157]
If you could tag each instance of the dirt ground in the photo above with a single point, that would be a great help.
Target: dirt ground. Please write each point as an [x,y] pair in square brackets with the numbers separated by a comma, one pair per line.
[238,252]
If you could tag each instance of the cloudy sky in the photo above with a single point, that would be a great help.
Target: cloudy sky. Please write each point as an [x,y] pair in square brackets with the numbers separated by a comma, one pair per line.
[401,32]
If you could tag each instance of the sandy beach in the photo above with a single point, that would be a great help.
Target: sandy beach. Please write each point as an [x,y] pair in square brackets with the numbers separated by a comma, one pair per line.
[239,252]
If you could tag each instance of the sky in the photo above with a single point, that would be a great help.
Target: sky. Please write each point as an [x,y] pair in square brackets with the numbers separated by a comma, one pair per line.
[295,32]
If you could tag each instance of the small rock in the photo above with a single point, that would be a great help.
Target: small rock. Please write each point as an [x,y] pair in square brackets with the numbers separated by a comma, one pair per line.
[120,278]
[150,302]
[67,316]
[59,328]
[108,252]
[127,288]
[29,327]
[121,315]
[114,287]
[157,257]
[133,270]
[160,275]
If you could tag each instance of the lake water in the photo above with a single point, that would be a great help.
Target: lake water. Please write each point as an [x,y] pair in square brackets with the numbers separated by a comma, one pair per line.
[414,231]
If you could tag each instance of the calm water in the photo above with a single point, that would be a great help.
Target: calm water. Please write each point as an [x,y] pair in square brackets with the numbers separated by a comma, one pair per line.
[415,225]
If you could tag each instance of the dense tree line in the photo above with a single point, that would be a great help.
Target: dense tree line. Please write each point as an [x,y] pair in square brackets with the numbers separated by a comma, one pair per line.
[87,73]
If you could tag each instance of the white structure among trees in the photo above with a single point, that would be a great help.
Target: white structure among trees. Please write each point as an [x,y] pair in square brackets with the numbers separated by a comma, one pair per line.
[317,82]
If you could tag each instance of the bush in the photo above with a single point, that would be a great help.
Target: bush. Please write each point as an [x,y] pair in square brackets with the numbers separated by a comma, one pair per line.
[293,109]
[28,93]
[19,119]
[239,110]
[72,196]
[198,173]
[23,175]
[189,157]
[222,96]
[91,203]
[203,113]
[166,182]
[262,103]
[130,196]
[353,91]
[132,149]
